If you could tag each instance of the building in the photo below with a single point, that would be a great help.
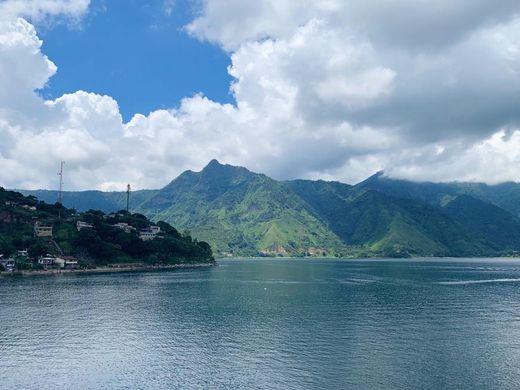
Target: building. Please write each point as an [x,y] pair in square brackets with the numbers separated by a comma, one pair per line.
[42,230]
[150,233]
[8,264]
[23,253]
[67,262]
[47,260]
[80,225]
[124,226]
[146,235]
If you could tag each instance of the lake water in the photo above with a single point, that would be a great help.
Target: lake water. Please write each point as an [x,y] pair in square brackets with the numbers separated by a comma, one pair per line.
[284,324]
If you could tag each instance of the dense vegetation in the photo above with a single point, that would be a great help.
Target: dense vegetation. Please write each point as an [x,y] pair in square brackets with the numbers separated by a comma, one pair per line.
[503,195]
[387,226]
[242,213]
[101,244]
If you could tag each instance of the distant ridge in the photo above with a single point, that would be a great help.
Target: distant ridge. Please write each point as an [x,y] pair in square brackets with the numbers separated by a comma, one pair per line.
[242,213]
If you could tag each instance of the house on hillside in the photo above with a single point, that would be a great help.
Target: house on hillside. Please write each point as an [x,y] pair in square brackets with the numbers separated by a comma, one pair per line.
[47,261]
[42,230]
[150,233]
[7,264]
[80,225]
[124,226]
[67,262]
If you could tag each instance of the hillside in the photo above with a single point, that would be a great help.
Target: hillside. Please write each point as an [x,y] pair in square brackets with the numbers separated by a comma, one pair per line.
[495,225]
[504,195]
[387,225]
[37,229]
[241,212]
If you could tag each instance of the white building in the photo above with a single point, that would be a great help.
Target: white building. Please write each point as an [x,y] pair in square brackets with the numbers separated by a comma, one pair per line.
[7,264]
[124,226]
[150,233]
[68,262]
[83,225]
[42,230]
[47,260]
[146,235]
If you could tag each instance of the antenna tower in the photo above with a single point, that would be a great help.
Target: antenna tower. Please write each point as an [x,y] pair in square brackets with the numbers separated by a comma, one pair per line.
[60,190]
[127,198]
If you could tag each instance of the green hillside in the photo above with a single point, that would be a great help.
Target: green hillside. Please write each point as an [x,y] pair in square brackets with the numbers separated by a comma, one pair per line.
[241,213]
[99,239]
[504,195]
[386,225]
[495,225]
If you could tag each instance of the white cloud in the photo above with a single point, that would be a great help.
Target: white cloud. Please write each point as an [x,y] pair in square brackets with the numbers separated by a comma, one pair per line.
[37,10]
[329,89]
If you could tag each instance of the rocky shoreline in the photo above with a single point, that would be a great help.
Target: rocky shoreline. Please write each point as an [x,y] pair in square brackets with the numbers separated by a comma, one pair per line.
[102,270]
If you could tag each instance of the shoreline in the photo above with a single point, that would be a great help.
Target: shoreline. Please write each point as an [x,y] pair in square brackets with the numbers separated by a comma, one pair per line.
[363,258]
[105,270]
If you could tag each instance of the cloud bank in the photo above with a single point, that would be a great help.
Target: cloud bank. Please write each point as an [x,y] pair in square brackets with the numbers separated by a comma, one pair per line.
[336,89]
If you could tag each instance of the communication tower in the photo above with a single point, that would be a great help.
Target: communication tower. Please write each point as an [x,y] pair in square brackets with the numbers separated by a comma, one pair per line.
[127,198]
[60,190]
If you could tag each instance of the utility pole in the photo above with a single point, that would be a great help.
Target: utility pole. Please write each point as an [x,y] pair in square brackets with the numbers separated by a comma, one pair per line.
[60,190]
[127,198]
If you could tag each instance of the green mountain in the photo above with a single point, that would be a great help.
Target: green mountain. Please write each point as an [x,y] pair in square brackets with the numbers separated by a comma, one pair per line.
[504,195]
[241,213]
[493,224]
[385,225]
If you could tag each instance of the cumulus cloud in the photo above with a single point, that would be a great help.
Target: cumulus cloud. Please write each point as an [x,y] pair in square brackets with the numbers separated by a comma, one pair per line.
[38,10]
[335,89]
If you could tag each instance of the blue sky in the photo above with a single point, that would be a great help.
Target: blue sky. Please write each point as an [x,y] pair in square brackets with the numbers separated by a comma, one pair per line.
[138,53]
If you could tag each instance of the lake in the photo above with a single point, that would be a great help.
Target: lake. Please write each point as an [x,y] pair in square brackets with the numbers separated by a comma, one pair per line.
[276,323]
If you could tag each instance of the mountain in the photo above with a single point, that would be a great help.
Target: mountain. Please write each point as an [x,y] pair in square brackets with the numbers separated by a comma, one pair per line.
[387,225]
[497,226]
[504,195]
[245,213]
[242,213]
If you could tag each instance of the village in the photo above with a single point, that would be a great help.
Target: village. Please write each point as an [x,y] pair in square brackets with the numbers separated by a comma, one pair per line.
[43,231]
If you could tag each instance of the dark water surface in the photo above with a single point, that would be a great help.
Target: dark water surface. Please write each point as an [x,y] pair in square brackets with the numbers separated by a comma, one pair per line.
[422,324]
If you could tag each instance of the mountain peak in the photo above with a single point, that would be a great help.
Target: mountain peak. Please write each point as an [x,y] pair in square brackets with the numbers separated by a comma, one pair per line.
[213,163]
[215,167]
[376,177]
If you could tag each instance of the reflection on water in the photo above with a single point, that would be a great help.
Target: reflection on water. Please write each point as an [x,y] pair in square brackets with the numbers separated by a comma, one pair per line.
[267,324]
